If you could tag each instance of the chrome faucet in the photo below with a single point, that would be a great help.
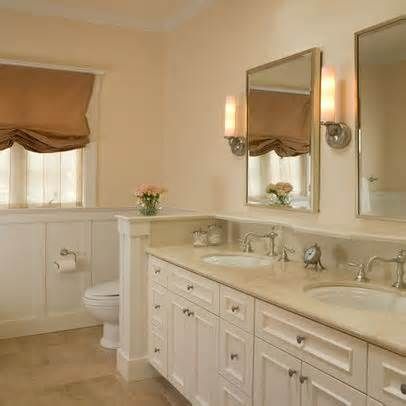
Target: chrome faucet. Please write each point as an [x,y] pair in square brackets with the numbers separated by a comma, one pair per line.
[399,260]
[249,237]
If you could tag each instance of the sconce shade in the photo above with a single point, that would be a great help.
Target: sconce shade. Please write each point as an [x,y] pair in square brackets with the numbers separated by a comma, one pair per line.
[328,97]
[230,117]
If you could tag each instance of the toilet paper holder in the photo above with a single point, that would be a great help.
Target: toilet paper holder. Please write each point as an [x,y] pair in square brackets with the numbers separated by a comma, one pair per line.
[65,252]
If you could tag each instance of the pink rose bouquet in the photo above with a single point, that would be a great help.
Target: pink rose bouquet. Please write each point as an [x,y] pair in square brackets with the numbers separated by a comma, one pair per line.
[148,199]
[280,192]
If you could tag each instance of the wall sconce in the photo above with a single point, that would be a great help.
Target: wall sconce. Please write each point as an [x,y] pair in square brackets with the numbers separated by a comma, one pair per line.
[237,142]
[338,134]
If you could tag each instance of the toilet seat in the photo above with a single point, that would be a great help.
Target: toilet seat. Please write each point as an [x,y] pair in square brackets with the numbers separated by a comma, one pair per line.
[108,290]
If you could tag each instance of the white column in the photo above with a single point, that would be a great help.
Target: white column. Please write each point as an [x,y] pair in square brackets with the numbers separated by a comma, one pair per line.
[132,356]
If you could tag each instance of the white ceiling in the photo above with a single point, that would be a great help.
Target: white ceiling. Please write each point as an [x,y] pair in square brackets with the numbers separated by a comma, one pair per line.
[147,15]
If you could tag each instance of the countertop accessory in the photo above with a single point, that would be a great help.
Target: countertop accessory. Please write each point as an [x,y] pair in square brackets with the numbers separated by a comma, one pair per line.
[200,238]
[283,256]
[312,256]
[214,234]
[361,274]
[399,261]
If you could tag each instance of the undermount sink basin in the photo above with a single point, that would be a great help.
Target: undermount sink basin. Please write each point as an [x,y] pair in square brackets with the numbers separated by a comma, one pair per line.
[237,261]
[360,298]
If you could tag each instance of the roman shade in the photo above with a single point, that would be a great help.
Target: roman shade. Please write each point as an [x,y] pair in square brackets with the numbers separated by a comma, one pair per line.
[278,121]
[44,110]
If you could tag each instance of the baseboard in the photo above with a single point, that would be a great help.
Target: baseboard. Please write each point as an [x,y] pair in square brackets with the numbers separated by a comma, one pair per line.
[134,369]
[52,323]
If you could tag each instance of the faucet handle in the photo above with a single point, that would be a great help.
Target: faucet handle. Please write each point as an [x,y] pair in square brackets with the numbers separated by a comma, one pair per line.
[361,275]
[283,257]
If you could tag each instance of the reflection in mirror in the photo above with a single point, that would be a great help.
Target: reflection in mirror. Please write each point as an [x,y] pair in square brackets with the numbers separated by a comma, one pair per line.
[282,132]
[381,69]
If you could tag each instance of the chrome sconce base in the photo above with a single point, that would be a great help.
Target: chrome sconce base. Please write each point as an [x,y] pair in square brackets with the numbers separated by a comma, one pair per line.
[338,135]
[237,145]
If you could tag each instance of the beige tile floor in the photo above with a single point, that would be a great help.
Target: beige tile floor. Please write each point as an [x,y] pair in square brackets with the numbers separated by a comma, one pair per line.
[70,368]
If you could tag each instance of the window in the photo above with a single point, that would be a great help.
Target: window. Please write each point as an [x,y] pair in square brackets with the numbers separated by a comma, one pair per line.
[30,179]
[56,179]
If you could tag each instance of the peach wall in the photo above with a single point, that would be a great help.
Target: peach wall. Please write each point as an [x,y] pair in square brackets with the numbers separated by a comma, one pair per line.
[207,59]
[130,138]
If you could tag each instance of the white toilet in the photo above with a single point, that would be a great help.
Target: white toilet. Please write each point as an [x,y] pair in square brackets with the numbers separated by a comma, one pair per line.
[102,302]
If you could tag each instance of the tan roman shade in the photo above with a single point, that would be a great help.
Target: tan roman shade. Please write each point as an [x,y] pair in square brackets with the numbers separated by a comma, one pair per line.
[279,122]
[44,110]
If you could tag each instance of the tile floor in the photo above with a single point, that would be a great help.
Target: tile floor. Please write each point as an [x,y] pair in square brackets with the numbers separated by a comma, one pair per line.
[70,368]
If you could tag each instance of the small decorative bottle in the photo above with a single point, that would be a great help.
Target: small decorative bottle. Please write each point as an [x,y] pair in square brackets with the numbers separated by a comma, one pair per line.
[215,235]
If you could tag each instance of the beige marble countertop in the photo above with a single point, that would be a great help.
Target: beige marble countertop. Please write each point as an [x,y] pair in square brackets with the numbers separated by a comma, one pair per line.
[285,284]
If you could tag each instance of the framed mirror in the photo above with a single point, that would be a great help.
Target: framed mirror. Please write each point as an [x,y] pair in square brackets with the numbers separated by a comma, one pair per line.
[283,133]
[380,53]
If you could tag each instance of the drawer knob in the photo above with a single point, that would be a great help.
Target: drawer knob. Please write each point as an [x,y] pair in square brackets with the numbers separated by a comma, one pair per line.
[156,349]
[300,339]
[303,379]
[235,308]
[189,287]
[233,356]
[157,307]
[184,311]
[292,372]
[157,271]
[190,313]
[403,388]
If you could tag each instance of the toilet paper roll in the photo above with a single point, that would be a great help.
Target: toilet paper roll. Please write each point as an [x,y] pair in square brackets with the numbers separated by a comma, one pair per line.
[65,265]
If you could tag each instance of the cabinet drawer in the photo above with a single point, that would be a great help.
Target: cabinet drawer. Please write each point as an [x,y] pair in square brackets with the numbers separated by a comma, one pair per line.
[230,395]
[320,389]
[236,356]
[336,353]
[237,308]
[386,377]
[158,307]
[157,351]
[201,291]
[158,271]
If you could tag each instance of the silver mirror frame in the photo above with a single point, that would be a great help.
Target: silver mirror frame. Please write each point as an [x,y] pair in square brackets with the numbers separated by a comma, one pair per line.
[316,58]
[357,36]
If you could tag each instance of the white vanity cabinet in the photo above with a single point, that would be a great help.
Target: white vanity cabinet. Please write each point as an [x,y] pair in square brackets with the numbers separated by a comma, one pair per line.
[221,347]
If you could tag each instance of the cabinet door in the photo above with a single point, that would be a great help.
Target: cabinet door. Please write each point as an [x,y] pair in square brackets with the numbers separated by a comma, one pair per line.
[231,395]
[319,389]
[203,336]
[276,377]
[179,355]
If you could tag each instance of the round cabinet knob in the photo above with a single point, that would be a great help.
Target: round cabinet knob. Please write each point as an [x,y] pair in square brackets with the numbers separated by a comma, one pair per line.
[157,307]
[189,287]
[235,308]
[303,379]
[233,356]
[184,311]
[157,271]
[292,372]
[190,313]
[300,339]
[157,349]
[403,388]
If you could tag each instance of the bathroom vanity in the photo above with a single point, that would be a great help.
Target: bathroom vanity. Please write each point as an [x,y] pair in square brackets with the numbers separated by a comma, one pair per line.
[256,335]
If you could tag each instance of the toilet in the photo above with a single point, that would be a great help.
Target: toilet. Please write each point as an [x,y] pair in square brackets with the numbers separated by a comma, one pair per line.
[102,302]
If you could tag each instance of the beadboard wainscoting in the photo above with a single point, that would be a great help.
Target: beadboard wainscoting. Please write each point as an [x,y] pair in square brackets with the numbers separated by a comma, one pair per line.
[34,297]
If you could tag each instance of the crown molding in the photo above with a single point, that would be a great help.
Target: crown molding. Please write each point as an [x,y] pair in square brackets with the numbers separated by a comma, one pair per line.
[94,16]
